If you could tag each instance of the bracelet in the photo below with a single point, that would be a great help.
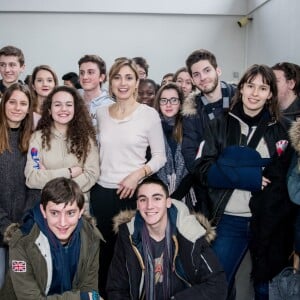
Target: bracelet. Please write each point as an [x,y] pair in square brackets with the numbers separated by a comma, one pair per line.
[95,295]
[70,170]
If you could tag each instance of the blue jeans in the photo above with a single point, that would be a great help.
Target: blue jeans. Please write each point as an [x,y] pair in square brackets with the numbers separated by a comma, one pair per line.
[231,244]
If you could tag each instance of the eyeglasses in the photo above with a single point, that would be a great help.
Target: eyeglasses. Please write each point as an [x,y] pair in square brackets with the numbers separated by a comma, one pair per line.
[173,101]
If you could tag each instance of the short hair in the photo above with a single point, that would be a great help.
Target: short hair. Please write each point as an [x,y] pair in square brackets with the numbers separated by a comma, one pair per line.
[291,72]
[141,61]
[198,55]
[62,190]
[151,81]
[168,75]
[115,68]
[13,51]
[153,180]
[94,59]
[73,77]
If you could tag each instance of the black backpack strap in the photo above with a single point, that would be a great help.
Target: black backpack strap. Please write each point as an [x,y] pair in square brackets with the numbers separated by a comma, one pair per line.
[258,133]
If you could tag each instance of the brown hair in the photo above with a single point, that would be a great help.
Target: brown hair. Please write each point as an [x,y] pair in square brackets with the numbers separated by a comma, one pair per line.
[268,78]
[116,67]
[26,124]
[80,129]
[291,72]
[198,55]
[33,78]
[94,59]
[13,51]
[177,132]
[62,190]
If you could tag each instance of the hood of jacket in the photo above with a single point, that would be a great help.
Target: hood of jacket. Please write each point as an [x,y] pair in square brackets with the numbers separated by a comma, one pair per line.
[191,226]
[294,134]
[189,106]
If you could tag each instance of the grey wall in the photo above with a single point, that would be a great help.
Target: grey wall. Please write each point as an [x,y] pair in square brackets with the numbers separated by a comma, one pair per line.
[273,36]
[48,34]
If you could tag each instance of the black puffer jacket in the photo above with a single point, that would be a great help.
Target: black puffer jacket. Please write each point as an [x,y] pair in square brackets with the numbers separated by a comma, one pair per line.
[222,132]
[194,261]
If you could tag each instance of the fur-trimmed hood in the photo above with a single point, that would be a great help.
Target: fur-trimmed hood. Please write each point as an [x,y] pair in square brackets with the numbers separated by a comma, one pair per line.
[191,226]
[189,106]
[294,134]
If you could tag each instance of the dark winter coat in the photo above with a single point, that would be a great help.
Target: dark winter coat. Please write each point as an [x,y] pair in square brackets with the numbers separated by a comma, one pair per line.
[193,257]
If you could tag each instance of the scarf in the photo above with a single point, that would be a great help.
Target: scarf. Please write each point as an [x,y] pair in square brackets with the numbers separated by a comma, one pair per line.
[149,264]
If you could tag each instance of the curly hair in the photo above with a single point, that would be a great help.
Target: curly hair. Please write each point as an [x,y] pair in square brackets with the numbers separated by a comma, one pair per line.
[80,130]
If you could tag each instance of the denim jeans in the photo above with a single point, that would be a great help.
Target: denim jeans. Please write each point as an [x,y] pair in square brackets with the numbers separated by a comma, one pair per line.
[3,264]
[231,244]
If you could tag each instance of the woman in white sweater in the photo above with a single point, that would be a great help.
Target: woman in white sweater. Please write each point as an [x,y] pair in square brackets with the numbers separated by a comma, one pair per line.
[126,129]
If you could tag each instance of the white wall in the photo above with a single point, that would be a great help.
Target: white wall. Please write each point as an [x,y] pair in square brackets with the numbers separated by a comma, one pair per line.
[48,34]
[273,36]
[60,39]
[215,7]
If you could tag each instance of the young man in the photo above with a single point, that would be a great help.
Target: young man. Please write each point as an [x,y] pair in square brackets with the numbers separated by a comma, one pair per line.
[92,74]
[214,97]
[288,85]
[55,251]
[162,251]
[12,64]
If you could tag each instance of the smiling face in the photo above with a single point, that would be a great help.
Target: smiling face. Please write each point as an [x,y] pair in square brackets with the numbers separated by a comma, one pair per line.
[16,108]
[169,110]
[62,219]
[205,76]
[62,109]
[255,93]
[146,93]
[90,77]
[124,84]
[44,83]
[10,69]
[153,204]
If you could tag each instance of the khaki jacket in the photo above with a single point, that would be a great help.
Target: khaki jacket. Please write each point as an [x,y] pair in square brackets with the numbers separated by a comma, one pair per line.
[34,250]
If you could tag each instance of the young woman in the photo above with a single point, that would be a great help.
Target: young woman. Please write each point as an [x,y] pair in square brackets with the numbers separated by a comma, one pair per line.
[15,131]
[253,121]
[64,144]
[43,81]
[174,174]
[183,79]
[126,129]
[146,91]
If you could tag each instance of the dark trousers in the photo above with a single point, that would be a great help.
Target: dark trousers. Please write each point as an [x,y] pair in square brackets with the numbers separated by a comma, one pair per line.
[105,204]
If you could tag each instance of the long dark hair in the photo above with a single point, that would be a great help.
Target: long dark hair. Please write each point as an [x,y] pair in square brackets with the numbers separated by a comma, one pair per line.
[268,78]
[177,132]
[26,124]
[80,129]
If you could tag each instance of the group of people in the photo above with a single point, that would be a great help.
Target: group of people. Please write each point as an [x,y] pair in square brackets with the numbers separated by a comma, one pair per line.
[165,171]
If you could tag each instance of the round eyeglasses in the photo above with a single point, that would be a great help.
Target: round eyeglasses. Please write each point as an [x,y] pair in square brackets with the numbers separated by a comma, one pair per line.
[173,101]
